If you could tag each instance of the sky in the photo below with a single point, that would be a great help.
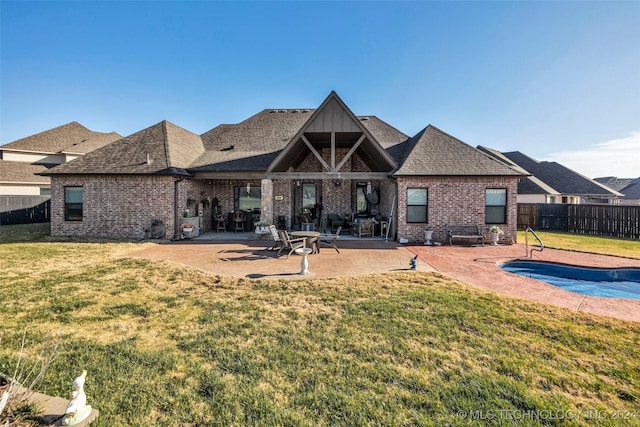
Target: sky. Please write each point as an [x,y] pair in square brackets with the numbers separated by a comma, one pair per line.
[555,80]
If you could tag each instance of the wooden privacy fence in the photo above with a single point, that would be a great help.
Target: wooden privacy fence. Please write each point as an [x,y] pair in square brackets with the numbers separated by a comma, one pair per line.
[600,220]
[24,209]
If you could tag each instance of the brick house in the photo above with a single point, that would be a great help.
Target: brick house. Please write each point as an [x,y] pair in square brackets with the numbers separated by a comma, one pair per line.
[280,165]
[24,191]
[21,161]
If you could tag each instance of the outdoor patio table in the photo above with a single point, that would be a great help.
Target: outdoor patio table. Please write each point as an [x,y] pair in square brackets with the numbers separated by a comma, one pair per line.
[312,239]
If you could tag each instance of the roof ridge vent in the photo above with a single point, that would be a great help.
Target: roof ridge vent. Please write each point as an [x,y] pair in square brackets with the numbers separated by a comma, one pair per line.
[305,111]
[363,119]
[282,111]
[295,111]
[273,111]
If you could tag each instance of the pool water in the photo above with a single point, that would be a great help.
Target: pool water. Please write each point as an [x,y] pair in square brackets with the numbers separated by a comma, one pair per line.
[599,282]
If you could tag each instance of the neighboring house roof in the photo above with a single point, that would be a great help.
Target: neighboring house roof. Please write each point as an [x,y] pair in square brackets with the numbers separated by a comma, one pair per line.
[614,183]
[434,152]
[69,138]
[632,191]
[163,148]
[529,185]
[555,177]
[12,172]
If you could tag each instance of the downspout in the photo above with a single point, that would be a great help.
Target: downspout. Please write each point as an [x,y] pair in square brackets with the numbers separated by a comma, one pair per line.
[176,218]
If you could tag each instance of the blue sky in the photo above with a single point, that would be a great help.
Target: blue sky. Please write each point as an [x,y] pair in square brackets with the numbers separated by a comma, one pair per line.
[555,80]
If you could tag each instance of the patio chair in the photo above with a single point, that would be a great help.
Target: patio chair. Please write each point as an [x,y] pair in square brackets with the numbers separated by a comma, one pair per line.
[366,228]
[238,220]
[291,244]
[220,224]
[334,221]
[330,239]
[277,241]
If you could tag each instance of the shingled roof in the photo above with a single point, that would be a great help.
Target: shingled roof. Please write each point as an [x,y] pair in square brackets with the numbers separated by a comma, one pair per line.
[632,191]
[251,144]
[163,148]
[614,183]
[69,138]
[12,172]
[528,185]
[254,143]
[93,143]
[434,152]
[629,187]
[558,177]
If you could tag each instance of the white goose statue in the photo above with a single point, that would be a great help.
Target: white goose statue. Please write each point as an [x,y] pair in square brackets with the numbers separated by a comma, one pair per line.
[77,409]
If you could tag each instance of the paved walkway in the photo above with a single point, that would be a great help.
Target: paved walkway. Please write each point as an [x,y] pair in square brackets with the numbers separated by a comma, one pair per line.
[473,265]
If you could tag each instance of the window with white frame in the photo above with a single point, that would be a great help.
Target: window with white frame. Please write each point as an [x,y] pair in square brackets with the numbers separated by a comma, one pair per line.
[417,205]
[496,206]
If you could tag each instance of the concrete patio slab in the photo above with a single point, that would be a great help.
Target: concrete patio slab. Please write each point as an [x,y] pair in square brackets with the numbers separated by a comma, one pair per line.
[250,259]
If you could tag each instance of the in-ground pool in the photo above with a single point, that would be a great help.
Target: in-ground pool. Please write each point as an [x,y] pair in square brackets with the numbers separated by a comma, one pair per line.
[599,282]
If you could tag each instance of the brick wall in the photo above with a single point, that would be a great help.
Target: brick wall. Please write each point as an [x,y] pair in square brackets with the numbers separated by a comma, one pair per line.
[125,206]
[114,206]
[455,200]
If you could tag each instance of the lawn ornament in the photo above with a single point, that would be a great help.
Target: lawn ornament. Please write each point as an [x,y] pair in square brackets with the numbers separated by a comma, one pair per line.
[77,409]
[413,262]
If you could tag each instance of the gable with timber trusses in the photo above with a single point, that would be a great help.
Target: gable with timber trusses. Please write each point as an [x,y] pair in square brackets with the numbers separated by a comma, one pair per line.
[333,128]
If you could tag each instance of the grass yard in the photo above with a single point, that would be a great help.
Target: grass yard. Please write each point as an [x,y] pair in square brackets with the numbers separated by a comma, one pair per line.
[628,248]
[169,345]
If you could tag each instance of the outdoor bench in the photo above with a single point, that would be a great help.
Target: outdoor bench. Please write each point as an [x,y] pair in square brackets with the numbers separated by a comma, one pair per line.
[463,231]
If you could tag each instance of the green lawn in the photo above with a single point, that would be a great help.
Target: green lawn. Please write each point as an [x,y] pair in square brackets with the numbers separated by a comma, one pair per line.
[629,248]
[167,345]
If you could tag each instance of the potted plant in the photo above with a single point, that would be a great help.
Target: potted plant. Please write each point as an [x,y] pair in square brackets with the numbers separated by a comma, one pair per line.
[262,226]
[192,208]
[428,234]
[495,234]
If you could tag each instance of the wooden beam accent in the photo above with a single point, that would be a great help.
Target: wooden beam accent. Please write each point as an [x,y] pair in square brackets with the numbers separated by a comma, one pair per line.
[333,151]
[231,175]
[315,153]
[244,176]
[328,175]
[350,153]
